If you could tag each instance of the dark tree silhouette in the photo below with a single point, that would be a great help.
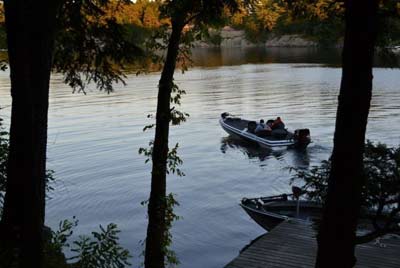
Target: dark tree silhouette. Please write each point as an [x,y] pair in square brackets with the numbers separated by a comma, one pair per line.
[88,52]
[156,230]
[30,29]
[336,237]
[181,13]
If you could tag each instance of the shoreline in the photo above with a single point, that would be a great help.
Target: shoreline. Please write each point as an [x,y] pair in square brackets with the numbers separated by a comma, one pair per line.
[228,37]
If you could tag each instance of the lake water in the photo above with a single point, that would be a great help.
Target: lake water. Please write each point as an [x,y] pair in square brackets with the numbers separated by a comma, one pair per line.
[94,140]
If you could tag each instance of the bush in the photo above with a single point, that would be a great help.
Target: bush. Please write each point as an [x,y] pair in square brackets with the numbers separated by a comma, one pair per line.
[98,250]
[3,161]
[380,195]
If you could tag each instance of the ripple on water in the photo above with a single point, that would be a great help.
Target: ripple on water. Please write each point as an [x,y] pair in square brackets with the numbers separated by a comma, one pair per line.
[94,139]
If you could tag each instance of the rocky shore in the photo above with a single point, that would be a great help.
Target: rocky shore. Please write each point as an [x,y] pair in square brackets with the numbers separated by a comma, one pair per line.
[231,38]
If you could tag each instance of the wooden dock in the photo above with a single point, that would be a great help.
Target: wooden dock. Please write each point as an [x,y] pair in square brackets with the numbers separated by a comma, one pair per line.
[293,244]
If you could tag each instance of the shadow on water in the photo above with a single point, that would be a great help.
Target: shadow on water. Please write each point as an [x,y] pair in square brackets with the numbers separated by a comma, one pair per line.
[299,157]
[330,57]
[251,150]
[215,57]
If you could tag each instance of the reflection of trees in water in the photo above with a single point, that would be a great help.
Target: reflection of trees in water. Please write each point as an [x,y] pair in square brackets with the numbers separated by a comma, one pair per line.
[300,158]
[213,57]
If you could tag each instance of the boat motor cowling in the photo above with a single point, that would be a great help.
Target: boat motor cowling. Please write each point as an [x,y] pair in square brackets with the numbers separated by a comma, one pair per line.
[302,136]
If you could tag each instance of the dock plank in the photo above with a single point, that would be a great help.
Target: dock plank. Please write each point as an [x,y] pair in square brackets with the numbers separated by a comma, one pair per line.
[293,244]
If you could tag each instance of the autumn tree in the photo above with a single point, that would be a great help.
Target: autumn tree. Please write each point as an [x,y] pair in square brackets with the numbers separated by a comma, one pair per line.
[257,19]
[2,19]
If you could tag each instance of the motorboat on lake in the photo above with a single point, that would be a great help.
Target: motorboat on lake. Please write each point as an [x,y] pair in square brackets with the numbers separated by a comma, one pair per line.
[270,211]
[246,129]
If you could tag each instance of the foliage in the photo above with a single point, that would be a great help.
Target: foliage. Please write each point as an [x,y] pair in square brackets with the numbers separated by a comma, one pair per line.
[4,149]
[3,162]
[258,19]
[323,20]
[171,259]
[2,17]
[177,117]
[147,152]
[213,37]
[59,238]
[174,161]
[57,243]
[389,32]
[189,21]
[319,20]
[315,181]
[100,250]
[170,216]
[381,194]
[141,13]
[91,46]
[3,38]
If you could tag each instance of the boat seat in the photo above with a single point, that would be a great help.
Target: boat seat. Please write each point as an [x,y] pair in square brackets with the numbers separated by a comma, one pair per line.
[263,133]
[279,133]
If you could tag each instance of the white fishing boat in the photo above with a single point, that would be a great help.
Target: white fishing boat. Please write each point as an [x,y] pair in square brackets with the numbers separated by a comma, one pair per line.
[246,129]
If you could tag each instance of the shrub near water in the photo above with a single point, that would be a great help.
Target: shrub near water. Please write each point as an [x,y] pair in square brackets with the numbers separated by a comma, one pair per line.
[101,249]
[3,158]
[98,250]
[380,196]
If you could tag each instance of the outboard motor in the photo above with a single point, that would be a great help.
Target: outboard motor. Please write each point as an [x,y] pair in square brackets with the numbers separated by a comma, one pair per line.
[302,137]
[251,126]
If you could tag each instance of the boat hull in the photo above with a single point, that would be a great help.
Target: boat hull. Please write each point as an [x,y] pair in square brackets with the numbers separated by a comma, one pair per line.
[266,221]
[268,212]
[241,132]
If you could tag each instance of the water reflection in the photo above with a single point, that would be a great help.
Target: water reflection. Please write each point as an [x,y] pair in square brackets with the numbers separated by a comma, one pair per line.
[94,139]
[213,57]
[250,150]
[300,157]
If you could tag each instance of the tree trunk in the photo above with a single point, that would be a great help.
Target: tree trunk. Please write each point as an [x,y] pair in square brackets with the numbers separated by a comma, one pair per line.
[30,37]
[336,237]
[156,230]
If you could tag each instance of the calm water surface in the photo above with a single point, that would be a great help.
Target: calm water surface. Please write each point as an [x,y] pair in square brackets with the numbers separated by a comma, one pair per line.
[94,140]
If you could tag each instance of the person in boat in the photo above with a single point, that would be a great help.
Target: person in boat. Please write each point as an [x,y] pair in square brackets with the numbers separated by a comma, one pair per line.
[266,131]
[268,125]
[278,124]
[260,126]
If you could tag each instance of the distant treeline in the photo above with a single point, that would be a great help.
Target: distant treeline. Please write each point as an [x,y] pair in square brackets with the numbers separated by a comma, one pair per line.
[318,20]
[2,28]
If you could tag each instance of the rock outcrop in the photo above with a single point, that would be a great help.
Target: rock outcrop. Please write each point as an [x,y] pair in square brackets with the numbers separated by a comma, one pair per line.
[289,41]
[232,38]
